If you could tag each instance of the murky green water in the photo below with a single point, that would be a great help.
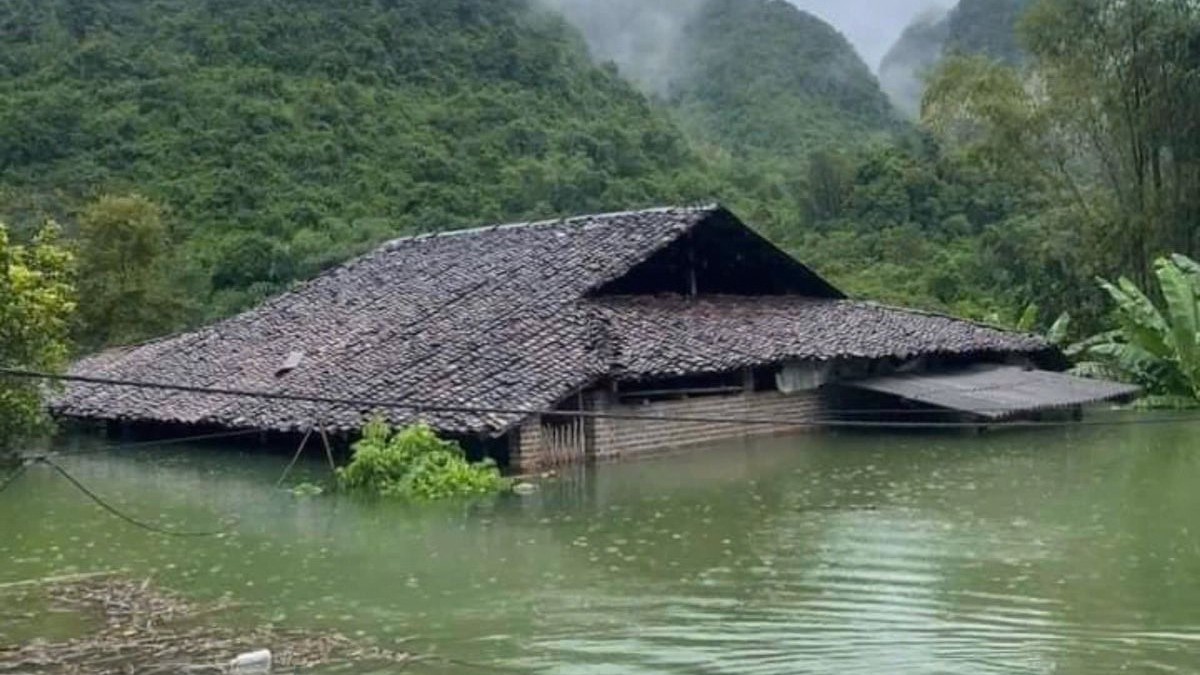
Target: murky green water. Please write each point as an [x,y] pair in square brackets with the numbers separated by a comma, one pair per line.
[1064,551]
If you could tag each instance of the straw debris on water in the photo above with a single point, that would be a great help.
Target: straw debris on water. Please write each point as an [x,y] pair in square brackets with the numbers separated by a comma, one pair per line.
[146,630]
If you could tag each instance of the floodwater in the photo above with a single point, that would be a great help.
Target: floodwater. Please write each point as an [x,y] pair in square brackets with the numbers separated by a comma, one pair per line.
[1037,551]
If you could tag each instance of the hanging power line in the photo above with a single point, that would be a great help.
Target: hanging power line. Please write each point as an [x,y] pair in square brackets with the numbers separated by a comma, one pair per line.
[120,514]
[12,477]
[101,502]
[123,447]
[826,422]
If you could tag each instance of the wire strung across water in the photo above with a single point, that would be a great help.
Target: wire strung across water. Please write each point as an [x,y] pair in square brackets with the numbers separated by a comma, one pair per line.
[830,422]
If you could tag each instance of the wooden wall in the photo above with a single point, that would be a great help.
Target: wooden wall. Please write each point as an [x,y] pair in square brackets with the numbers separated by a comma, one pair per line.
[538,444]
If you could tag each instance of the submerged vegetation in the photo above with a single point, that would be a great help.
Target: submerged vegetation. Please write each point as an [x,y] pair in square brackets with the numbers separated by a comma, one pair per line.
[414,463]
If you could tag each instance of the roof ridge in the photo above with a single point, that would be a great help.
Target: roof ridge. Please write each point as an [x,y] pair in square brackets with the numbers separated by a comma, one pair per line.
[945,315]
[567,220]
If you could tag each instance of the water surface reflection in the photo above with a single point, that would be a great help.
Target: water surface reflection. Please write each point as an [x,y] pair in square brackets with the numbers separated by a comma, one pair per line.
[1066,551]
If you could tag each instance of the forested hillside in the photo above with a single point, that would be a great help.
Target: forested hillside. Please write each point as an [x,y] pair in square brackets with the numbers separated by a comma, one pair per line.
[245,145]
[747,76]
[986,28]
[203,154]
[975,27]
[904,68]
[280,136]
[765,77]
[780,108]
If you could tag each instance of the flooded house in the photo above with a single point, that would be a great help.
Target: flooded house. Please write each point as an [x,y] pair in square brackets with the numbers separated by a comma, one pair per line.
[569,340]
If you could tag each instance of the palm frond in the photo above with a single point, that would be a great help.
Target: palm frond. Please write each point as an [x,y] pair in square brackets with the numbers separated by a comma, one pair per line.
[1079,348]
[1140,320]
[1189,267]
[1097,370]
[1138,363]
[1028,320]
[1182,312]
[1057,335]
[1168,403]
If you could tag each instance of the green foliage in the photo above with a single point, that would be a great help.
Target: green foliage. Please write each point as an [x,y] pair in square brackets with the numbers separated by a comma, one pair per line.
[287,135]
[984,28]
[987,28]
[36,303]
[123,272]
[1060,330]
[1155,347]
[1122,80]
[766,81]
[1100,124]
[911,224]
[414,463]
[279,137]
[1028,320]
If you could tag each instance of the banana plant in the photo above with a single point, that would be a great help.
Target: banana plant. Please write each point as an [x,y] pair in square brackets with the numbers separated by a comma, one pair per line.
[1058,331]
[1157,348]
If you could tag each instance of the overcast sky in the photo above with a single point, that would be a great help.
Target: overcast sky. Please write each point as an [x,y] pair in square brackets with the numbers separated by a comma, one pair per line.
[872,25]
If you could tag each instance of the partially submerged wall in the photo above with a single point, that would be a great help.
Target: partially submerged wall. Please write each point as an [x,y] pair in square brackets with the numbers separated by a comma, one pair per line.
[712,419]
[620,438]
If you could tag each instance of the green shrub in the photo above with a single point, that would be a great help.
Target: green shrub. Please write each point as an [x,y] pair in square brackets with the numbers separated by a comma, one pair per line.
[1157,347]
[414,463]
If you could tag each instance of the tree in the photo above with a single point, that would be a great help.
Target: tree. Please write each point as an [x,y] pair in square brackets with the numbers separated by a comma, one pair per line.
[123,282]
[1156,348]
[1124,75]
[1103,117]
[829,183]
[36,303]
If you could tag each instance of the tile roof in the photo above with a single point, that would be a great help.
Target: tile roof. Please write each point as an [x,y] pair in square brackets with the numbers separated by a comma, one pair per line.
[664,336]
[502,317]
[484,318]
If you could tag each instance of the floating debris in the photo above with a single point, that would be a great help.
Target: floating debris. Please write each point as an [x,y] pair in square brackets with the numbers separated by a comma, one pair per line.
[149,631]
[524,488]
[252,663]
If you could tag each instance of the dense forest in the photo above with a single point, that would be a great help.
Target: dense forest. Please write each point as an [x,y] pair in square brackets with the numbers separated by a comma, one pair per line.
[972,27]
[273,138]
[203,155]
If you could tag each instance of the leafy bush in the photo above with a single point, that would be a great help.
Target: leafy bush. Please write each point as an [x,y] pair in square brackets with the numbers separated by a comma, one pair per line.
[37,299]
[414,463]
[1158,349]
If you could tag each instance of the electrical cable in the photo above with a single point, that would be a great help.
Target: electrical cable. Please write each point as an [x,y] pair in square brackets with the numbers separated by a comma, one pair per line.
[831,422]
[158,443]
[104,504]
[12,477]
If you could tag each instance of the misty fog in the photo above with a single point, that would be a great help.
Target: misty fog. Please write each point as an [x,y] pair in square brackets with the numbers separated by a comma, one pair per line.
[872,25]
[641,36]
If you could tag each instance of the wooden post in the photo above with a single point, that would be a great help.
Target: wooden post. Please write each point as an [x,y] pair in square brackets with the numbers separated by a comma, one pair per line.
[328,450]
[295,458]
[693,286]
[748,381]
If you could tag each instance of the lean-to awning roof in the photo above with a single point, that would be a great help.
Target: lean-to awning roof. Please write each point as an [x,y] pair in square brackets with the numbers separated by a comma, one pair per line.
[996,392]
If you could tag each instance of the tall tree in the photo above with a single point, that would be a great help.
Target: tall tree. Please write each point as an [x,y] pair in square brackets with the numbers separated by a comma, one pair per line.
[123,281]
[1127,75]
[1104,117]
[36,302]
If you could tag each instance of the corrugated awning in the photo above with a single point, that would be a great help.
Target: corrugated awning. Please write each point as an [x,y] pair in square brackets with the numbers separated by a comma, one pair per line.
[996,392]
